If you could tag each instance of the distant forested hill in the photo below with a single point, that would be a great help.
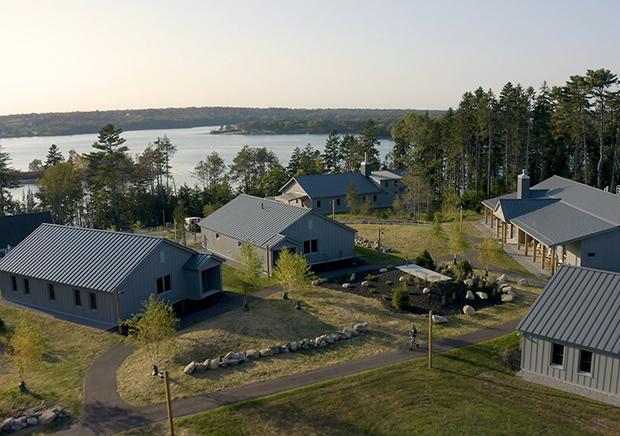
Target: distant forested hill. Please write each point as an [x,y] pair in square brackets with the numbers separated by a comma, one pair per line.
[249,120]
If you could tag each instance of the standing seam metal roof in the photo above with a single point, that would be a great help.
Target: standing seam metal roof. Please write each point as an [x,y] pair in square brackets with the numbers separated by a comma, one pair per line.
[336,185]
[256,220]
[80,257]
[579,306]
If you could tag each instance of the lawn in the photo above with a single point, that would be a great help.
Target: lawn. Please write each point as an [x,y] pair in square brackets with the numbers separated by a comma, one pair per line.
[271,321]
[59,378]
[467,392]
[232,279]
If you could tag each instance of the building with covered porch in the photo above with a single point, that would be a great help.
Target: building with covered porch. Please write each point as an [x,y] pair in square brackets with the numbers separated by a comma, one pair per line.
[558,221]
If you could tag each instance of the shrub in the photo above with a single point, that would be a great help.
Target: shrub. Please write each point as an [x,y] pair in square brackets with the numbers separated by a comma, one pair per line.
[425,260]
[2,326]
[370,278]
[463,270]
[400,297]
[389,282]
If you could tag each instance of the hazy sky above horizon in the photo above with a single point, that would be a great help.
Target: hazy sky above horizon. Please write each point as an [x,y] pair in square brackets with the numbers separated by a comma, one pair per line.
[65,55]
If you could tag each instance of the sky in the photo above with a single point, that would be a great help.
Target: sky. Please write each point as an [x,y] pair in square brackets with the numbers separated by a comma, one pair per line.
[65,55]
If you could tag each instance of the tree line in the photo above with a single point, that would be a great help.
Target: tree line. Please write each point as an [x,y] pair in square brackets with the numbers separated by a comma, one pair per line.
[478,149]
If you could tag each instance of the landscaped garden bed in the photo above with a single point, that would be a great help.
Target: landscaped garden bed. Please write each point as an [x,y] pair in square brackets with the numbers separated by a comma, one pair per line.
[444,298]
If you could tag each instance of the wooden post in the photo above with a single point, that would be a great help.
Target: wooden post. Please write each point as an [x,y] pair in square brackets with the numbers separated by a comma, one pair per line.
[117,294]
[497,228]
[461,219]
[527,243]
[504,232]
[553,261]
[534,250]
[544,256]
[486,215]
[430,338]
[492,220]
[518,239]
[169,403]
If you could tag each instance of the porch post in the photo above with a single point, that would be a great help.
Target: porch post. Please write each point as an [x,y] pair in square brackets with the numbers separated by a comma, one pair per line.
[505,229]
[527,243]
[535,243]
[544,256]
[497,228]
[553,261]
[518,239]
[486,215]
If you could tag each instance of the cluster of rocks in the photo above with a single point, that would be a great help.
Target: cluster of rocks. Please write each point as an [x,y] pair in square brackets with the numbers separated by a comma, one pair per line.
[508,294]
[31,419]
[236,358]
[375,245]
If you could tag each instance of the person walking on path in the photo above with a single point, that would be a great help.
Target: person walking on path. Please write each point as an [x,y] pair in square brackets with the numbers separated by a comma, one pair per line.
[413,336]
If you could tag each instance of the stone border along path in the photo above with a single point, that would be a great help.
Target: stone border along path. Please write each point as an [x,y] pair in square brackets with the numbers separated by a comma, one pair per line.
[105,413]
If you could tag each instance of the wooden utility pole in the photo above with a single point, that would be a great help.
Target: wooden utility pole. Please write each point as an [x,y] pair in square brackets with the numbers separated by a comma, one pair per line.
[461,219]
[117,294]
[379,235]
[169,403]
[430,338]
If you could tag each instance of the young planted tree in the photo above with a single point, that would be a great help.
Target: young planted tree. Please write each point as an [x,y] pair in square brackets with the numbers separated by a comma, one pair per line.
[352,202]
[437,229]
[293,274]
[27,346]
[457,240]
[490,251]
[180,213]
[151,327]
[251,272]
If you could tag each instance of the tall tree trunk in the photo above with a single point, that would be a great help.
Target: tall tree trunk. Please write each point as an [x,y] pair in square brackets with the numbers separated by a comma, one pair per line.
[601,150]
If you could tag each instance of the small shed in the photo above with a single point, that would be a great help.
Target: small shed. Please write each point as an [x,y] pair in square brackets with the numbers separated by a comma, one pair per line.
[571,335]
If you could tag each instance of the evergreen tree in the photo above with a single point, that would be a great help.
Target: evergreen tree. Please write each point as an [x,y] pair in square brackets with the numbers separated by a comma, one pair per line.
[54,156]
[332,155]
[7,182]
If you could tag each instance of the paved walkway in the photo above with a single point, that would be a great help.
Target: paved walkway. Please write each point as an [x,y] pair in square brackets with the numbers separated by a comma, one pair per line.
[106,413]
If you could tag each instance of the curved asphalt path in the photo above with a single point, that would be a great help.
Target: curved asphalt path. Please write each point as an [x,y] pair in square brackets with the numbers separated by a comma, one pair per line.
[106,413]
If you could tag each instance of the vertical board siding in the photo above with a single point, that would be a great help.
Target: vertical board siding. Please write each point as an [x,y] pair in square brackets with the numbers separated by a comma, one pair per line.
[605,376]
[605,247]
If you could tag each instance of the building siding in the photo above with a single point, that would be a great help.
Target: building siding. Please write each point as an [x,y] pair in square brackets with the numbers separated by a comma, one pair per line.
[605,248]
[604,378]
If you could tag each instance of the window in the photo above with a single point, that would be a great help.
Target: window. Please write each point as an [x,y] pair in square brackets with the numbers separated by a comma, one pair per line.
[26,286]
[77,297]
[217,236]
[557,354]
[14,283]
[395,182]
[591,254]
[364,198]
[160,285]
[51,291]
[167,283]
[374,198]
[93,301]
[585,361]
[337,202]
[318,203]
[311,246]
[238,243]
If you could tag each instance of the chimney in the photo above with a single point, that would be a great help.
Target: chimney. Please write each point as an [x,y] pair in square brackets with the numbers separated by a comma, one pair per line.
[365,168]
[523,185]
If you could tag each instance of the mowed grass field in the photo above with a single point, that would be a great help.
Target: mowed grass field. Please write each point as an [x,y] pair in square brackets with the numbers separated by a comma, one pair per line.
[273,321]
[469,391]
[59,378]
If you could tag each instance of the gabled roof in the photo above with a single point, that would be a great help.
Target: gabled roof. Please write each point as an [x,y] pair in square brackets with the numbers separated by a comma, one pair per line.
[335,185]
[257,220]
[560,210]
[579,306]
[80,257]
[201,261]
[14,228]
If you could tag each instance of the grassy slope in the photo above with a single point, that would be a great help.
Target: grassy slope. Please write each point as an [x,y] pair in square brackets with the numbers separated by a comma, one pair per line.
[275,321]
[467,392]
[59,378]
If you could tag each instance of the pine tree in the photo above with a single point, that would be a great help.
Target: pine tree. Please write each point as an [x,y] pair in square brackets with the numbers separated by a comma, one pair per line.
[54,156]
[332,157]
[7,182]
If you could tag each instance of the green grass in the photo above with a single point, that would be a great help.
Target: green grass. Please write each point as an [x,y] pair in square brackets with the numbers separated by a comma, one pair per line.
[467,392]
[232,279]
[376,257]
[59,379]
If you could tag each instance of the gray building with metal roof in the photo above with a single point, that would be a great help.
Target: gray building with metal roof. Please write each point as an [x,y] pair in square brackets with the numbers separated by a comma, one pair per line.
[559,221]
[327,193]
[271,226]
[95,276]
[15,228]
[571,335]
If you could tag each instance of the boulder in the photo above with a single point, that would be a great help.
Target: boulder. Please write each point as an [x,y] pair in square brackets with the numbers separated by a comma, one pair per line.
[275,349]
[230,362]
[330,339]
[348,334]
[199,367]
[505,288]
[507,298]
[468,310]
[402,278]
[347,285]
[265,352]
[361,327]
[366,283]
[383,270]
[18,425]
[7,424]
[470,295]
[292,346]
[438,319]
[214,363]
[322,344]
[468,282]
[47,416]
[189,368]
[502,278]
[252,353]
[32,420]
[482,295]
[426,291]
